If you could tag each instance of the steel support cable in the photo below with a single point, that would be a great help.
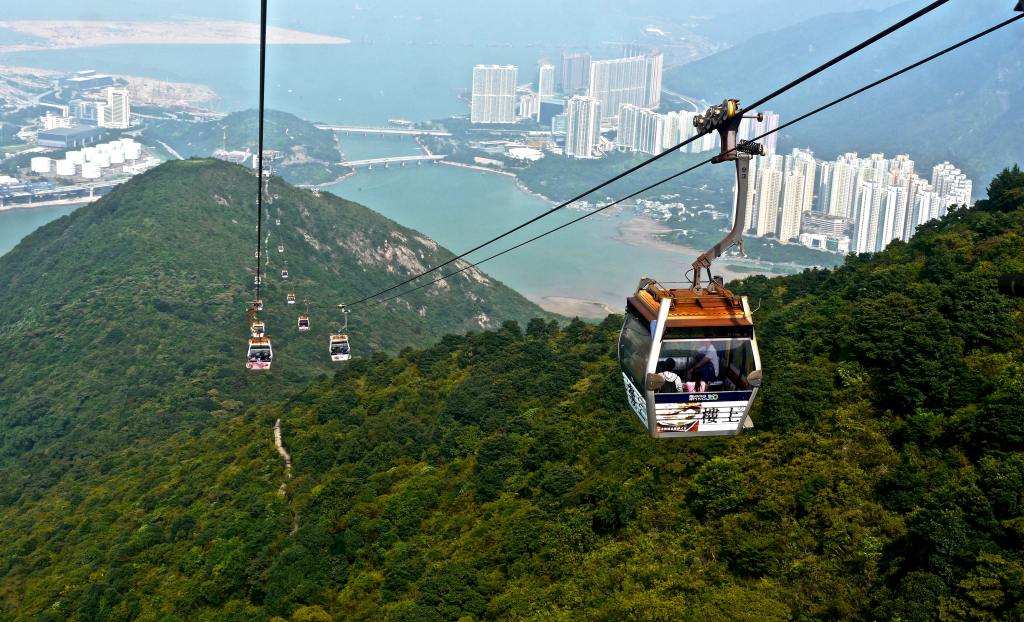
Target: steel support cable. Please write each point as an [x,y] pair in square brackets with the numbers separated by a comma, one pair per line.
[807,76]
[703,162]
[259,154]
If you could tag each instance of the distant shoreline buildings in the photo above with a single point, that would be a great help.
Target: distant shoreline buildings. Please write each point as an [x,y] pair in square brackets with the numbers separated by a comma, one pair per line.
[633,80]
[851,204]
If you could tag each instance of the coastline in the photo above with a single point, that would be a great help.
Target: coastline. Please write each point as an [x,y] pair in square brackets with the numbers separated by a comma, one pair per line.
[70,34]
[644,231]
[54,203]
[576,307]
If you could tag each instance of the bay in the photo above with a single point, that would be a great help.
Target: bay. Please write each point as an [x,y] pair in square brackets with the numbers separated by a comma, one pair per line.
[15,224]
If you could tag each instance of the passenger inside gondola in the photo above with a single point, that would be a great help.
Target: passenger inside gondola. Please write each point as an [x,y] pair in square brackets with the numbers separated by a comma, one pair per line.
[707,364]
[704,363]
[262,356]
[339,348]
[674,383]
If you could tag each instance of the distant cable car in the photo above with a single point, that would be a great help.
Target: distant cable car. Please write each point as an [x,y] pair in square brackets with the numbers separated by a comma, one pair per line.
[257,280]
[340,348]
[303,323]
[280,248]
[277,221]
[689,357]
[258,328]
[256,304]
[291,298]
[284,273]
[260,354]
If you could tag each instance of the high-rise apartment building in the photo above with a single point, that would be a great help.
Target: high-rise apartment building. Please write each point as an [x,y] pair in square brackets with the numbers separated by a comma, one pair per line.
[824,187]
[652,80]
[949,181]
[494,94]
[583,127]
[640,130]
[117,113]
[769,190]
[619,81]
[529,106]
[575,74]
[751,128]
[546,81]
[797,192]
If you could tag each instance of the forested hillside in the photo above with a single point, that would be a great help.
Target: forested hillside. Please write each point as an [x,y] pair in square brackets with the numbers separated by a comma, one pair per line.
[500,475]
[126,320]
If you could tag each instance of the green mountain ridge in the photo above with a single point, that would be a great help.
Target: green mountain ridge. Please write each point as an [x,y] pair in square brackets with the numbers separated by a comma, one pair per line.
[308,155]
[501,475]
[961,107]
[127,319]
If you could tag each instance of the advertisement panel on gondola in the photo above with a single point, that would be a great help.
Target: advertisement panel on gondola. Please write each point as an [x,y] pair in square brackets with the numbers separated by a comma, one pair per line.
[706,413]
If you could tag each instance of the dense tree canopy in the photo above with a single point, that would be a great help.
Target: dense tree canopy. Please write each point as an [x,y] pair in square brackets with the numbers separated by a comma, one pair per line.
[501,474]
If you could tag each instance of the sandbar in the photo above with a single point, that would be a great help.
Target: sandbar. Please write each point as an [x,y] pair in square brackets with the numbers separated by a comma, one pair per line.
[65,34]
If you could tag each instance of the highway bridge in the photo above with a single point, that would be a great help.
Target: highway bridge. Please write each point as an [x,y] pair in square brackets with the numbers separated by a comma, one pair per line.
[60,194]
[392,160]
[399,131]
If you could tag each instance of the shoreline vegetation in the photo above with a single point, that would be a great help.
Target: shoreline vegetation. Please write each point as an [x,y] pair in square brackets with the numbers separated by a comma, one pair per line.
[68,34]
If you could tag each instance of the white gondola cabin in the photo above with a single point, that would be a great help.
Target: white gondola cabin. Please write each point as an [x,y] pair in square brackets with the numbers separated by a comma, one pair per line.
[258,328]
[260,354]
[280,248]
[303,323]
[689,361]
[291,298]
[284,273]
[340,348]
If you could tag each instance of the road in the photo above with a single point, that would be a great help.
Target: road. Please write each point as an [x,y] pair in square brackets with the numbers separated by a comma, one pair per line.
[170,150]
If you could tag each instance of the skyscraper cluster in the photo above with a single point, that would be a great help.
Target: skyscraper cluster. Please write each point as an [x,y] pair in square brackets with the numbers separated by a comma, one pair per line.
[850,204]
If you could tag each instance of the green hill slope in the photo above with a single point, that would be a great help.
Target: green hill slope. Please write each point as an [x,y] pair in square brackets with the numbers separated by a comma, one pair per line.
[309,155]
[127,318]
[962,107]
[501,475]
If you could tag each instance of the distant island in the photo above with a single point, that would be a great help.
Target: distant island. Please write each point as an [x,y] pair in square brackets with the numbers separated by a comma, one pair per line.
[65,34]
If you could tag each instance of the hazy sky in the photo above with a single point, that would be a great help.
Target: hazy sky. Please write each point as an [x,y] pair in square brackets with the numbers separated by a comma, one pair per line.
[722,21]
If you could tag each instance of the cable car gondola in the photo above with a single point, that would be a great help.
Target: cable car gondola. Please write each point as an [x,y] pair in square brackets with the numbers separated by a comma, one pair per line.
[280,248]
[284,273]
[277,221]
[689,356]
[340,348]
[303,323]
[291,298]
[258,328]
[260,353]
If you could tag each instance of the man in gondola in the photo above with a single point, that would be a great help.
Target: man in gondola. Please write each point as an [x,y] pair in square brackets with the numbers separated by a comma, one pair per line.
[705,366]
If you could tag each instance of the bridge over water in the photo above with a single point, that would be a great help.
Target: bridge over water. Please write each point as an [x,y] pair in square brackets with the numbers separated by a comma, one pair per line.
[406,131]
[370,163]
